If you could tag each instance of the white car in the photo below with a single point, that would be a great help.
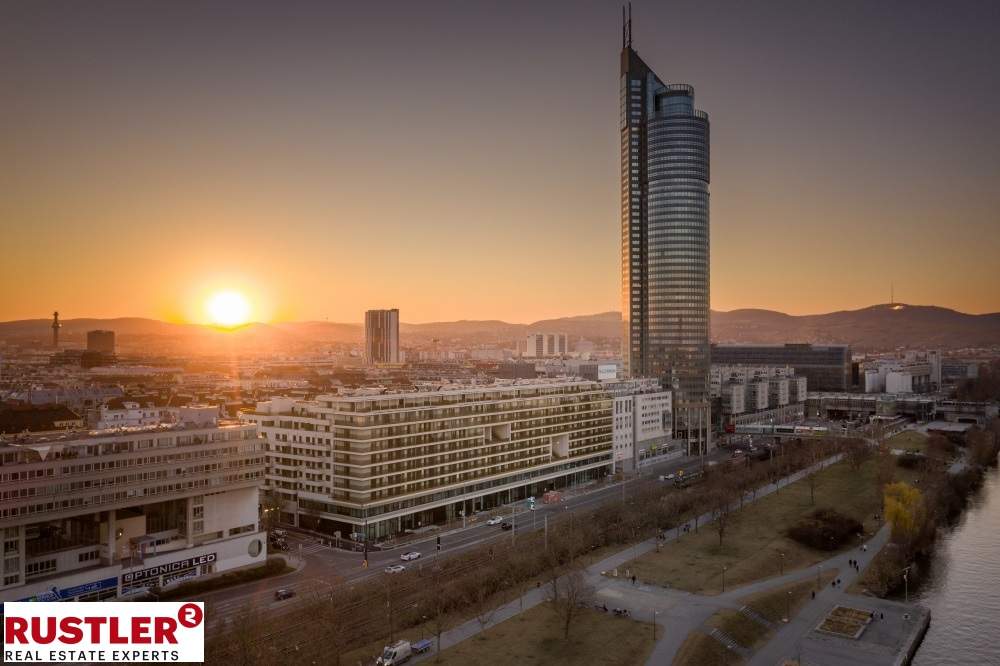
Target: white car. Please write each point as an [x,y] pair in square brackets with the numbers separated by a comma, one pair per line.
[412,555]
[670,477]
[496,520]
[395,569]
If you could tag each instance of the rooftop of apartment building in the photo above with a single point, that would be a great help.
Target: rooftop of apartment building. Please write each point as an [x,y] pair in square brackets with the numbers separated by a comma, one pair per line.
[83,436]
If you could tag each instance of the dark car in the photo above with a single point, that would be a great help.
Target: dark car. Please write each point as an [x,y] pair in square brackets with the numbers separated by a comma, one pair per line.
[506,526]
[283,593]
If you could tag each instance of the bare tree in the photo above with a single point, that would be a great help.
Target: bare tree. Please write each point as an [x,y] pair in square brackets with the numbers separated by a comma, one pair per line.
[480,600]
[576,595]
[721,501]
[813,476]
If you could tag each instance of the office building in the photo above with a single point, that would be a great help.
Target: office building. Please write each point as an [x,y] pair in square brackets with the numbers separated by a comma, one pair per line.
[101,342]
[897,376]
[825,367]
[538,345]
[642,431]
[111,514]
[665,239]
[382,336]
[376,463]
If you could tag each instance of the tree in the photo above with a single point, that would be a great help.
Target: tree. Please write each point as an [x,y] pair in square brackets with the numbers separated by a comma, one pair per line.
[904,508]
[270,511]
[857,452]
[813,477]
[479,597]
[721,502]
[576,595]
[885,470]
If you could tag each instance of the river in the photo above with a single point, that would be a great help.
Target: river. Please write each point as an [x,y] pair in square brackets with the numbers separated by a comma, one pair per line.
[963,589]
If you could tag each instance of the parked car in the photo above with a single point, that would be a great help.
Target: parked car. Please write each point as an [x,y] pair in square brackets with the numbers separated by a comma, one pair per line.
[395,654]
[284,593]
[412,555]
[496,520]
[395,569]
[506,526]
[423,645]
[279,533]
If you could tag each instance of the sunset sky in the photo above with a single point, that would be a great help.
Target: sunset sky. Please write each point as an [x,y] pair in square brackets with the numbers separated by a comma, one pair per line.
[459,160]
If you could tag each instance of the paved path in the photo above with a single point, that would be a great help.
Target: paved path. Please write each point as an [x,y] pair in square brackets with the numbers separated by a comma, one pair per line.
[676,612]
[786,642]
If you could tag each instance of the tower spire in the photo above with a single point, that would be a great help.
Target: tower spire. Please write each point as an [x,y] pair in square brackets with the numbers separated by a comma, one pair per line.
[629,24]
[624,23]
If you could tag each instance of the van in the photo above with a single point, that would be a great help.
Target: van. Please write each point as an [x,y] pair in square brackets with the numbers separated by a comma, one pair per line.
[395,654]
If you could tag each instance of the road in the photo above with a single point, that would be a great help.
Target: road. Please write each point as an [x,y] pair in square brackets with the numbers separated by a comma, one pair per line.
[322,567]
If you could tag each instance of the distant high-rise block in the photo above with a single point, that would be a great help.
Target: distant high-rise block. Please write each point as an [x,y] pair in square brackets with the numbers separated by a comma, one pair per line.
[546,344]
[382,336]
[665,239]
[102,342]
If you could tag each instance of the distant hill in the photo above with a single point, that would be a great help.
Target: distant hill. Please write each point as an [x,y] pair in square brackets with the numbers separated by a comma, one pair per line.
[878,327]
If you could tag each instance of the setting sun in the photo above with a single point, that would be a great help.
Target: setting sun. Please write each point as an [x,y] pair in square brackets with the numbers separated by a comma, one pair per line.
[228,308]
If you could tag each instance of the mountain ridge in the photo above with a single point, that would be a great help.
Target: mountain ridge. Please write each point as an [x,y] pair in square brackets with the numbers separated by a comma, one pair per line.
[882,326]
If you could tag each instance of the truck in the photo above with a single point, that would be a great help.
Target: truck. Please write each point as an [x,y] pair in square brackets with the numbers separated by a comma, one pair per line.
[395,654]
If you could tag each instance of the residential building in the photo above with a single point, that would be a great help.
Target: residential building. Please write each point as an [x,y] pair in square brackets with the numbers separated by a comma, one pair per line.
[382,336]
[376,463]
[20,417]
[825,367]
[760,394]
[665,239]
[538,345]
[109,514]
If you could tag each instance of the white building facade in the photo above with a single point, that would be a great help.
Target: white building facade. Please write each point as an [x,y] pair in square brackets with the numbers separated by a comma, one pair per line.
[377,464]
[108,515]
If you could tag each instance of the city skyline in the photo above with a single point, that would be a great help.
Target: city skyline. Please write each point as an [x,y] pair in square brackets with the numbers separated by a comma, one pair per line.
[268,142]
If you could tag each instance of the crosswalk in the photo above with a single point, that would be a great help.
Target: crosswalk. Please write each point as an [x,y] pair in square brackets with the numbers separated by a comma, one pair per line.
[309,548]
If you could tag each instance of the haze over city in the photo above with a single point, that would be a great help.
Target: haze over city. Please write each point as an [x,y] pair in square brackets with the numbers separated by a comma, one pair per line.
[500,333]
[458,160]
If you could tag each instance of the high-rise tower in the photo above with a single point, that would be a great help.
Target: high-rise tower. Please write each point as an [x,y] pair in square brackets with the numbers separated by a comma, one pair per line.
[382,336]
[665,239]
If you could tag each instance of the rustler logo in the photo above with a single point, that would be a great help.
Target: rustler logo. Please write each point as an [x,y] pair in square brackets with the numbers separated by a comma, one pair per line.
[103,632]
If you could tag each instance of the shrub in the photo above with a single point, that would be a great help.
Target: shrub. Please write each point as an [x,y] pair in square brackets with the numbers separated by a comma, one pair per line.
[824,529]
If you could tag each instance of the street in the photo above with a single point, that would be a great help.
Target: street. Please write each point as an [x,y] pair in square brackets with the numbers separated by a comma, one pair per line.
[322,567]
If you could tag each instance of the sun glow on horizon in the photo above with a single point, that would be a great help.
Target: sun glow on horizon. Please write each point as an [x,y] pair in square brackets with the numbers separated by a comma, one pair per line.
[228,309]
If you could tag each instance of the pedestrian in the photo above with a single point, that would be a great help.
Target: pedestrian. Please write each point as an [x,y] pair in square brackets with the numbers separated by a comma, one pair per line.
[814,594]
[633,579]
[881,615]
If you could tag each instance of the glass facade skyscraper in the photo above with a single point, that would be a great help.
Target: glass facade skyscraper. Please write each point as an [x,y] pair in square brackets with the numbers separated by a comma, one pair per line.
[665,239]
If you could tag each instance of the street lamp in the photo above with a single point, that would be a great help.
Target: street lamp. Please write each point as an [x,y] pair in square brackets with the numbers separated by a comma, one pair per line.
[782,561]
[724,579]
[788,606]
[906,583]
[654,624]
[819,572]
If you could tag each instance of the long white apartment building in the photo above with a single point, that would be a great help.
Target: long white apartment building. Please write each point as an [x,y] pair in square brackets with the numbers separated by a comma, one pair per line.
[108,514]
[378,463]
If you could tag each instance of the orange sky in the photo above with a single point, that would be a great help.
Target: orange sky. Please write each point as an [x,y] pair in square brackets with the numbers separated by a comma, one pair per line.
[157,156]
